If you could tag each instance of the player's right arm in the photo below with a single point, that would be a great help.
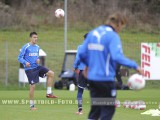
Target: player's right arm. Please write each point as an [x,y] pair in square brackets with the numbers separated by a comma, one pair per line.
[77,59]
[83,53]
[21,56]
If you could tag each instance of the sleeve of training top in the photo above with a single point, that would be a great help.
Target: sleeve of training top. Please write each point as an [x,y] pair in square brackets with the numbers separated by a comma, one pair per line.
[21,55]
[38,52]
[117,55]
[77,59]
[83,53]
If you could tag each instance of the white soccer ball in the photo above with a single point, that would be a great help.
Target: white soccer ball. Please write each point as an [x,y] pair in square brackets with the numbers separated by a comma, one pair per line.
[59,13]
[136,82]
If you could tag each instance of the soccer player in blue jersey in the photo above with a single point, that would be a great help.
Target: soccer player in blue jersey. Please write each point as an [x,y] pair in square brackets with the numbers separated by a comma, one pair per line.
[82,81]
[29,57]
[101,52]
[119,83]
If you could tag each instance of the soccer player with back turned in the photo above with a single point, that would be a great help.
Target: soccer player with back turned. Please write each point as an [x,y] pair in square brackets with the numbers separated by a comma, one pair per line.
[82,81]
[101,52]
[29,57]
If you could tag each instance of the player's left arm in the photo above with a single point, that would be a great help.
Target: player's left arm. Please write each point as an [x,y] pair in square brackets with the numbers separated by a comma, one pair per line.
[38,60]
[118,56]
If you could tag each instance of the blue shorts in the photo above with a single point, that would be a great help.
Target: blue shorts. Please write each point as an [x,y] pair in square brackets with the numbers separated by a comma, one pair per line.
[34,74]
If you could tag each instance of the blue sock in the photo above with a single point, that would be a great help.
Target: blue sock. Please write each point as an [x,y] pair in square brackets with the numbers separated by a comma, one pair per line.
[79,98]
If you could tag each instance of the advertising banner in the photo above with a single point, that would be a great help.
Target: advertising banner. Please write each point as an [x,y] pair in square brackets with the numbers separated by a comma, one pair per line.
[150,60]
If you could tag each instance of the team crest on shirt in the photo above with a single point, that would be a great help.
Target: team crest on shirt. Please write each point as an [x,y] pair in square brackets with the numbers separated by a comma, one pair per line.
[113,92]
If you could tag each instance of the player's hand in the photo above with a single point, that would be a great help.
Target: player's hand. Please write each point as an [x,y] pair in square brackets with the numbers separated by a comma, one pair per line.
[140,71]
[28,64]
[77,71]
[38,61]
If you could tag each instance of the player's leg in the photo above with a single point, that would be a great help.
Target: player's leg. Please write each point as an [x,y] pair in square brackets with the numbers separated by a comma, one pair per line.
[101,92]
[31,97]
[119,77]
[109,93]
[81,86]
[107,112]
[94,113]
[79,99]
[50,75]
[33,78]
[95,110]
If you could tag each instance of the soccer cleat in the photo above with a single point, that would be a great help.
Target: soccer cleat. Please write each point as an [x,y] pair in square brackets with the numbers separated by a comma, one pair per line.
[51,96]
[79,113]
[33,107]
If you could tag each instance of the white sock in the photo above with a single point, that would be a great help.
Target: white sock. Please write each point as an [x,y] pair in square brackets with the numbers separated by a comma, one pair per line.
[31,102]
[49,90]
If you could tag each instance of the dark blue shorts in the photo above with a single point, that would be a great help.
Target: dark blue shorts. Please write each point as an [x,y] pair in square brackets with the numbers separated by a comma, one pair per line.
[34,74]
[101,92]
[82,81]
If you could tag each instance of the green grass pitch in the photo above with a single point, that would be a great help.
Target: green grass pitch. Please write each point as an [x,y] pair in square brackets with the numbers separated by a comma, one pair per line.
[65,106]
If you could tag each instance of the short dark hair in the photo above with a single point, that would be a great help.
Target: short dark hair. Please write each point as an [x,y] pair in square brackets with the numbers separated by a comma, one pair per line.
[32,33]
[85,35]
